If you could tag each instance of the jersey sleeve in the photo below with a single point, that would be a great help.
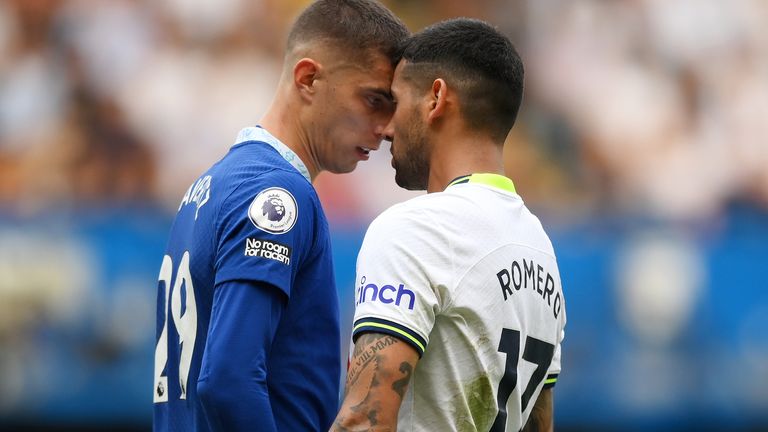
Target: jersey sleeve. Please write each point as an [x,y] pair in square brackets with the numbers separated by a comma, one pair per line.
[398,282]
[553,373]
[232,385]
[265,229]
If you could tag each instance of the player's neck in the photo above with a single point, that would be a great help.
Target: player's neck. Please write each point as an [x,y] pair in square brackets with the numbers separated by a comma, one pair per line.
[283,123]
[461,155]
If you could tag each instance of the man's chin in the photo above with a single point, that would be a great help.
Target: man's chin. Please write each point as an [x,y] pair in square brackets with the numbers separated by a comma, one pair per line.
[342,169]
[409,184]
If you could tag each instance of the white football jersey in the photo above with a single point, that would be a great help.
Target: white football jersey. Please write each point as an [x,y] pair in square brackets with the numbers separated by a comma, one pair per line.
[469,278]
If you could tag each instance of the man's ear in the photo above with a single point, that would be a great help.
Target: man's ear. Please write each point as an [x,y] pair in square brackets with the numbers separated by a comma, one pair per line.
[438,100]
[305,73]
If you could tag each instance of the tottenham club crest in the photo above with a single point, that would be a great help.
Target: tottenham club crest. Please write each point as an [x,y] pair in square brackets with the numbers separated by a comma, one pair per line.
[274,210]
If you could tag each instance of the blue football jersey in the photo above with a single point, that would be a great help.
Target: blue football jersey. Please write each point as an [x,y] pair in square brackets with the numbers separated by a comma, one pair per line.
[252,217]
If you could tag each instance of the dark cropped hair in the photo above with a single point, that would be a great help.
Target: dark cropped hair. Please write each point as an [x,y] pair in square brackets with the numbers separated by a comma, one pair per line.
[355,27]
[479,62]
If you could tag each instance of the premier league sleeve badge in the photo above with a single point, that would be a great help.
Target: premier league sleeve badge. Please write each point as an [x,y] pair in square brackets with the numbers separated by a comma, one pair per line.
[274,210]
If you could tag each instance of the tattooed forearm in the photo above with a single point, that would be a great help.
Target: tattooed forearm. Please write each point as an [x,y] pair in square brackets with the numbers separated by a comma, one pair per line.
[377,379]
[364,354]
[339,427]
[372,420]
[401,385]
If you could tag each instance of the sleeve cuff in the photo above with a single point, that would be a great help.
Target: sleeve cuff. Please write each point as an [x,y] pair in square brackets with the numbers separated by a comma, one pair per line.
[551,380]
[378,325]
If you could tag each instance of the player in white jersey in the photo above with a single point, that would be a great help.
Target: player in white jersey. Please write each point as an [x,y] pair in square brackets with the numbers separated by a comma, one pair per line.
[459,308]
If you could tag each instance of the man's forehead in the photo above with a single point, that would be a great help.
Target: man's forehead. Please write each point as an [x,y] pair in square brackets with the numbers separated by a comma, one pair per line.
[398,81]
[368,60]
[379,83]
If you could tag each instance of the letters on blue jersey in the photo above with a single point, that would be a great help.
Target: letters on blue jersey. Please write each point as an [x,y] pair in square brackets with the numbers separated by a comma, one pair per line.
[198,193]
[268,249]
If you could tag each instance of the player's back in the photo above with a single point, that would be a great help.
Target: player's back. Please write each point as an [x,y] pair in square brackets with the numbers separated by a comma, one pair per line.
[505,319]
[495,296]
[250,217]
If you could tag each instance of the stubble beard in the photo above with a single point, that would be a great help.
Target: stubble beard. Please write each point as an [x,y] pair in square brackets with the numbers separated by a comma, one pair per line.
[412,163]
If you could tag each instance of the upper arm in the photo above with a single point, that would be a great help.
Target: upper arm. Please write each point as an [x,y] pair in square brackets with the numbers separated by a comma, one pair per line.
[379,372]
[401,268]
[541,418]
[264,231]
[399,264]
[244,320]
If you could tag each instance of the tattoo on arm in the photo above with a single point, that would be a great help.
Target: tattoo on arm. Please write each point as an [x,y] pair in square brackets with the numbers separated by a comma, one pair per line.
[373,379]
[365,354]
[401,385]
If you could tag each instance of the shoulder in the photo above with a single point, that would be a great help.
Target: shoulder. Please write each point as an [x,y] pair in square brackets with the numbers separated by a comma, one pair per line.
[275,183]
[417,220]
[253,166]
[398,214]
[273,199]
[430,210]
[279,177]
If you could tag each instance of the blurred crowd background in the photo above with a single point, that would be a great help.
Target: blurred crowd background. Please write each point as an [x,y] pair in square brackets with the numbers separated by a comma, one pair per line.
[642,145]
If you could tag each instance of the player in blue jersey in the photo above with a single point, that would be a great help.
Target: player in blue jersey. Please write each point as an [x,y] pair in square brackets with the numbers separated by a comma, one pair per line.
[247,312]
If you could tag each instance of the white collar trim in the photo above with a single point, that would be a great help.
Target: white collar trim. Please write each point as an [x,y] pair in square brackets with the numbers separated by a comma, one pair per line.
[261,134]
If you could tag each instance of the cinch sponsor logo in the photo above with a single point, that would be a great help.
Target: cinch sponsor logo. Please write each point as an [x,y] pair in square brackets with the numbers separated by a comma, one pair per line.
[386,294]
[268,249]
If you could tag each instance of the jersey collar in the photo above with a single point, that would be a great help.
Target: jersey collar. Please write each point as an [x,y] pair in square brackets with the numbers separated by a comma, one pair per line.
[489,179]
[260,134]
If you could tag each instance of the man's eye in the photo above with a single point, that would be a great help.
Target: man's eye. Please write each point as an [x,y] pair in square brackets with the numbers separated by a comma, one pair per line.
[375,101]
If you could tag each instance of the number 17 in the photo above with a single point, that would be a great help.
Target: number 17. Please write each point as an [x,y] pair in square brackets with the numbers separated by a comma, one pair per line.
[536,351]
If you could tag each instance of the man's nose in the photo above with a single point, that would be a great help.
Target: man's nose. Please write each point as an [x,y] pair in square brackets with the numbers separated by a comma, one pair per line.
[380,130]
[387,131]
